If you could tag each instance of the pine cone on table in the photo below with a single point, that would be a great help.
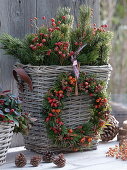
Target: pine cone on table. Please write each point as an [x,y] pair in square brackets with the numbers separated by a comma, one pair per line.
[48,156]
[110,130]
[20,160]
[59,161]
[35,160]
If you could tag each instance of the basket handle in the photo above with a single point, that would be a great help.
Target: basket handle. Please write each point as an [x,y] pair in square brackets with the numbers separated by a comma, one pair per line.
[24,78]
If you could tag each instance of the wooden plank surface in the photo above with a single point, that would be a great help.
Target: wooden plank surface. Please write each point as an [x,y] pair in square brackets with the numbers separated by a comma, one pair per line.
[15,19]
[90,160]
[48,7]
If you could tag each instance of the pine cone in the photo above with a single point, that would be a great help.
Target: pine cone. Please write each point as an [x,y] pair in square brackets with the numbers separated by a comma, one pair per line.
[20,160]
[59,161]
[110,130]
[48,156]
[35,160]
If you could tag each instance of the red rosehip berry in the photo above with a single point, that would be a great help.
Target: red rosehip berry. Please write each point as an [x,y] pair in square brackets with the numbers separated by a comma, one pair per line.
[59,43]
[56,49]
[50,114]
[34,48]
[31,46]
[35,18]
[52,19]
[90,94]
[57,28]
[70,131]
[55,105]
[53,24]
[43,17]
[64,17]
[66,44]
[48,53]
[12,110]
[54,100]
[61,123]
[57,120]
[63,55]
[52,104]
[41,34]
[60,52]
[50,100]
[59,22]
[50,30]
[86,83]
[37,44]
[96,106]
[65,48]
[76,43]
[47,119]
[106,25]
[95,29]
[43,40]
[40,44]
[71,53]
[45,35]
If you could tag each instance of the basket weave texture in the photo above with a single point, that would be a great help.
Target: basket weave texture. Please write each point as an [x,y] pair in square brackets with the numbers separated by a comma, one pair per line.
[76,109]
[6,133]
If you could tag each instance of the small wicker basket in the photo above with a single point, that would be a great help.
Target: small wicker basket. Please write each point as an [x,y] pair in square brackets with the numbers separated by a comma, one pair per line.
[6,133]
[76,109]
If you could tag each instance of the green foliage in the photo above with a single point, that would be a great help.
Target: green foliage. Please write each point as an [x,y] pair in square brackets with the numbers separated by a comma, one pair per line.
[10,112]
[25,123]
[9,107]
[52,44]
[84,17]
[64,12]
[97,51]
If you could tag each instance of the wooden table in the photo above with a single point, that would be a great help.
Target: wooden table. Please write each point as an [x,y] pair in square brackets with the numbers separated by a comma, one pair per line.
[90,160]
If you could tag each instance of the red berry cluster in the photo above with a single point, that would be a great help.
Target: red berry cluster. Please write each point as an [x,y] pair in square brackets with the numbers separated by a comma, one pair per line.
[53,102]
[100,102]
[72,80]
[102,28]
[59,94]
[78,43]
[90,86]
[38,41]
[61,48]
[119,152]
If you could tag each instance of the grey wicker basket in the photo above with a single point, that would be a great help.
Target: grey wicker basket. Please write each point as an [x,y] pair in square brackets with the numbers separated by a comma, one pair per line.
[76,109]
[6,133]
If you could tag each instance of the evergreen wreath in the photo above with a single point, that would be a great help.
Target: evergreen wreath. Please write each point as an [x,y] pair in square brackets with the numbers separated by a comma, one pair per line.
[83,135]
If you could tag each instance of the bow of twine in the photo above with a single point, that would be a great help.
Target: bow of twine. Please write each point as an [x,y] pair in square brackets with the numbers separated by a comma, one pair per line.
[76,66]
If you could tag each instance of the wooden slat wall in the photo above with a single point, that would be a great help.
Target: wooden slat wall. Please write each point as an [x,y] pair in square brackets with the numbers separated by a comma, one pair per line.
[15,19]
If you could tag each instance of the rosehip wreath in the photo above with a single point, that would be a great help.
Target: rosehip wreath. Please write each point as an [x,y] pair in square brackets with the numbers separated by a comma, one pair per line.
[53,104]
